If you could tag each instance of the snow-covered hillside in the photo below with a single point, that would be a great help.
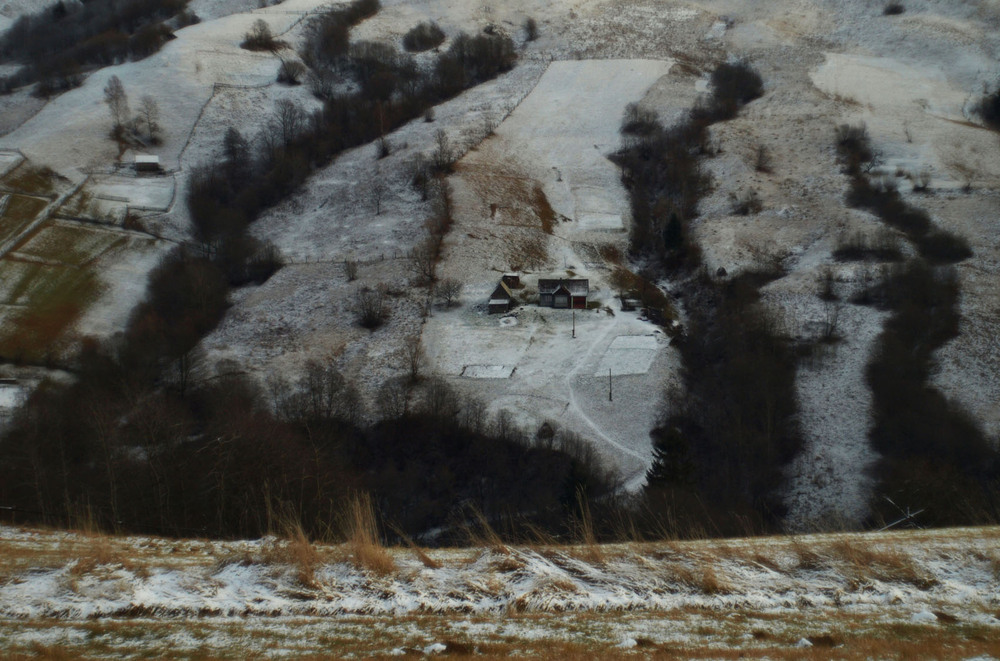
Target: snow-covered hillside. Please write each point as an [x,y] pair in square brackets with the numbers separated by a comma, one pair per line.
[912,78]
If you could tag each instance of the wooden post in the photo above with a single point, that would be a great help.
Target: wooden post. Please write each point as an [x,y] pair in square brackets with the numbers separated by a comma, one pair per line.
[574,322]
[609,386]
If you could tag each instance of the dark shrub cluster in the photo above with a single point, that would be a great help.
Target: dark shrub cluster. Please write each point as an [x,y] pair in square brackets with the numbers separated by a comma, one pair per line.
[883,246]
[893,9]
[55,46]
[734,84]
[423,36]
[720,447]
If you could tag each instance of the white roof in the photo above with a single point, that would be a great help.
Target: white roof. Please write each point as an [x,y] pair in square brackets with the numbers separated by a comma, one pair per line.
[147,159]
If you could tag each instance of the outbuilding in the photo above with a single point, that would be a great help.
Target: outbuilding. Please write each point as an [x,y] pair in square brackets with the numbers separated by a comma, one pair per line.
[147,163]
[502,299]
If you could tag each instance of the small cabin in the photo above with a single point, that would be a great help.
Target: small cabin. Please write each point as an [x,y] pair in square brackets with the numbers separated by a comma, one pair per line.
[502,299]
[147,163]
[512,280]
[563,293]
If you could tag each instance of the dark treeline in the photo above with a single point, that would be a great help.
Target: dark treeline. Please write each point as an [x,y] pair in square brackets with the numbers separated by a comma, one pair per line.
[882,198]
[935,456]
[661,167]
[721,445]
[223,458]
[58,44]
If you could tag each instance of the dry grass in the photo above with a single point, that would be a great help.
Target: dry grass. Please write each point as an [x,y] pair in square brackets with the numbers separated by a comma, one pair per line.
[546,214]
[19,213]
[53,299]
[295,549]
[866,562]
[32,180]
[363,541]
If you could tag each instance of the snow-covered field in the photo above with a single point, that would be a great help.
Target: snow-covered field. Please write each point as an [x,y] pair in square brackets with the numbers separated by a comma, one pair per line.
[106,597]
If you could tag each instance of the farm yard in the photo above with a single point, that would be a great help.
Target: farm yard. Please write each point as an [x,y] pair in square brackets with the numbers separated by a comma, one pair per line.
[53,271]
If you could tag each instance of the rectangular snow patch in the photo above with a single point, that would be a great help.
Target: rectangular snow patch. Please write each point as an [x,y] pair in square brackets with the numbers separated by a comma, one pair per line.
[628,354]
[488,371]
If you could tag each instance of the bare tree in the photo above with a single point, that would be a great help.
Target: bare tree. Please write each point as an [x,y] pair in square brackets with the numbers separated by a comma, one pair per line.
[423,260]
[117,100]
[376,189]
[287,120]
[440,398]
[448,290]
[413,350]
[474,415]
[391,399]
[444,155]
[149,116]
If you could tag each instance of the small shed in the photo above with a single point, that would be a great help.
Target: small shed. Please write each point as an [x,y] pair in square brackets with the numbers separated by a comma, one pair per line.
[563,293]
[147,163]
[502,299]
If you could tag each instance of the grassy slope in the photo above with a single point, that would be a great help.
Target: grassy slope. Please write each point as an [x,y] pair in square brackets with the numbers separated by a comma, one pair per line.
[872,595]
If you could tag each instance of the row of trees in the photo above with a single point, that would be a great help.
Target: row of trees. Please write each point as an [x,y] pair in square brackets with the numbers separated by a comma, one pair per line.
[662,171]
[722,442]
[146,120]
[57,44]
[934,455]
[220,458]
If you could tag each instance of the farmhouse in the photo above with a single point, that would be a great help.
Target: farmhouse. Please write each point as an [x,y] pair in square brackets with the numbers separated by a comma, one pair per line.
[502,299]
[563,292]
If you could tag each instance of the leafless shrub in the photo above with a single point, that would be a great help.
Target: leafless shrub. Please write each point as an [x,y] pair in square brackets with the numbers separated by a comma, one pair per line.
[827,282]
[763,162]
[424,36]
[443,157]
[350,270]
[423,260]
[290,72]
[370,306]
[391,399]
[746,203]
[831,319]
[413,351]
[260,37]
[530,29]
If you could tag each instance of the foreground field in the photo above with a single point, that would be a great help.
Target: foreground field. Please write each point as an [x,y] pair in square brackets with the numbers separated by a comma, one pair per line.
[933,594]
